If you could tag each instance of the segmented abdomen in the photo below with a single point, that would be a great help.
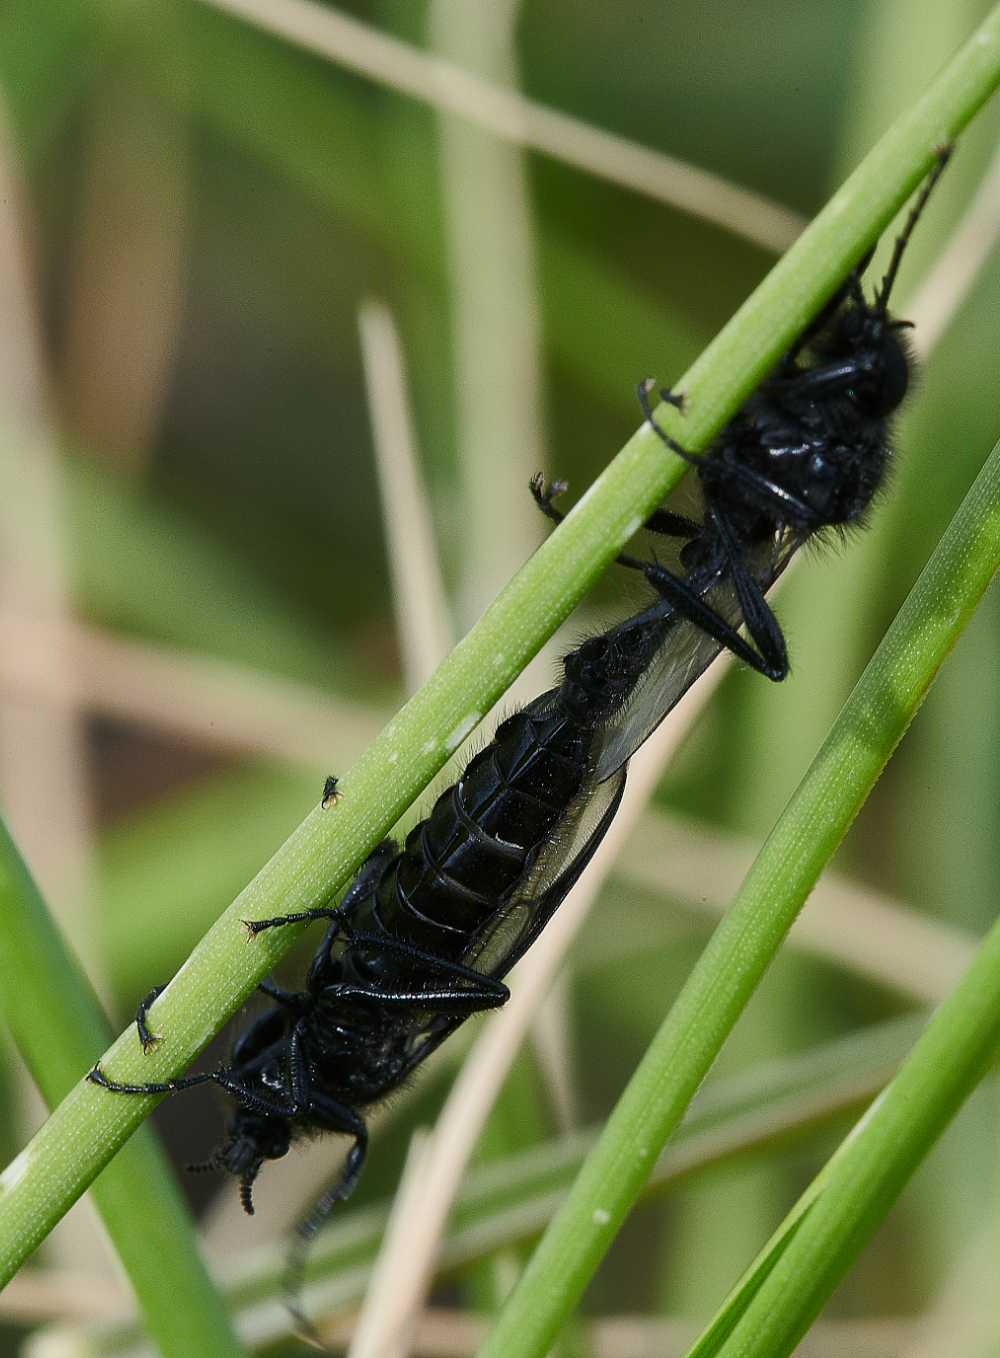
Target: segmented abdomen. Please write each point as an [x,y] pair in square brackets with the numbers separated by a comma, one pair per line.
[485,831]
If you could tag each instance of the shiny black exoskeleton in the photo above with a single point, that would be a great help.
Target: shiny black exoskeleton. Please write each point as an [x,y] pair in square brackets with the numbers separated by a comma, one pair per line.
[807,451]
[426,933]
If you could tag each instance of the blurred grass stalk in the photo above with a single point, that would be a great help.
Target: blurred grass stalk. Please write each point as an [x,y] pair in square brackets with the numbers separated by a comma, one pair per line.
[126,279]
[420,602]
[510,117]
[495,325]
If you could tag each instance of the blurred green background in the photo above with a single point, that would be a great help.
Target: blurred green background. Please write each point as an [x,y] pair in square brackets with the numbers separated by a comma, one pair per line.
[207,207]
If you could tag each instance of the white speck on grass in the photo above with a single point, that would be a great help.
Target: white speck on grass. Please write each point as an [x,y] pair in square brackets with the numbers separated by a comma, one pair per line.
[601,1217]
[633,526]
[463,728]
[643,1152]
[430,746]
[15,1171]
[393,757]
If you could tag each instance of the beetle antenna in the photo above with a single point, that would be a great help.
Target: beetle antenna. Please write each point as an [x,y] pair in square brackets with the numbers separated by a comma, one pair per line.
[903,239]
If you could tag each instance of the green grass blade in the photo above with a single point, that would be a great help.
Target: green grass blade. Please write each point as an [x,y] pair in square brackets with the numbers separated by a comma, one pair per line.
[782,1293]
[57,1023]
[785,1288]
